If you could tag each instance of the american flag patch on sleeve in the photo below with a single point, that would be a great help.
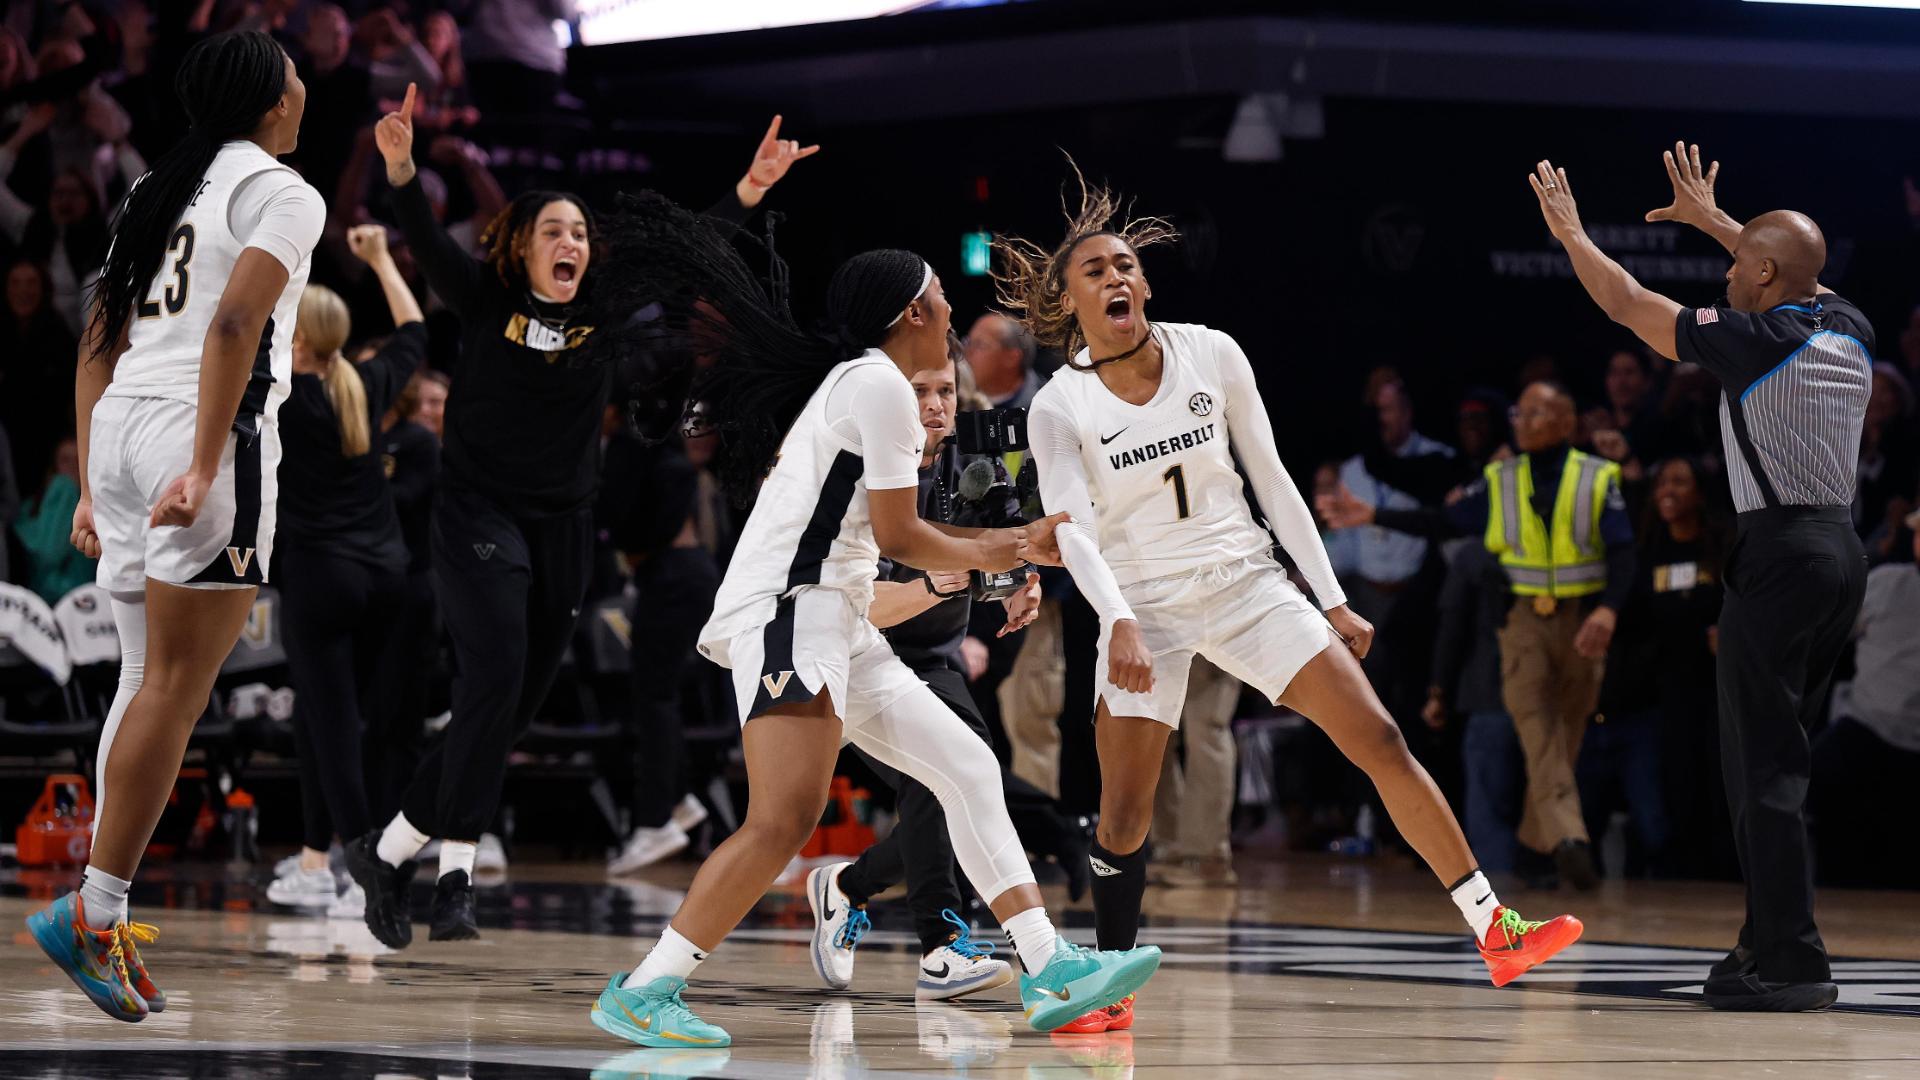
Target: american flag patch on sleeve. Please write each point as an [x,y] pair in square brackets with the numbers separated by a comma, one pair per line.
[1705,315]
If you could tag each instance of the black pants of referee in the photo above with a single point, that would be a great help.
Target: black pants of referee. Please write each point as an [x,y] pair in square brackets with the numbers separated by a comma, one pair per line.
[338,617]
[510,590]
[1794,582]
[919,851]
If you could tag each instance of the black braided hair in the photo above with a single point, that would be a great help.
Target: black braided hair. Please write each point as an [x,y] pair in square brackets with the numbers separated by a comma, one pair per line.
[226,84]
[727,354]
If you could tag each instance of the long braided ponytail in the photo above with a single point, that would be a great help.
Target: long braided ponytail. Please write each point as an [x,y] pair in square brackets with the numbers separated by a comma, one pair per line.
[728,356]
[226,84]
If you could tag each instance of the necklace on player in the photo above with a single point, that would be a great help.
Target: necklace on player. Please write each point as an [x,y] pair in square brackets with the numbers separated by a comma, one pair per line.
[1144,338]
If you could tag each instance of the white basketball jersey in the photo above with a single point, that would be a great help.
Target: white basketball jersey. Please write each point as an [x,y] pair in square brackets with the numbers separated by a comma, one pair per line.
[169,329]
[1165,493]
[811,524]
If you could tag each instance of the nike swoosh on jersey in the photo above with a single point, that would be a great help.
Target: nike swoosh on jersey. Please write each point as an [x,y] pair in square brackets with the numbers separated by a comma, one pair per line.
[1105,439]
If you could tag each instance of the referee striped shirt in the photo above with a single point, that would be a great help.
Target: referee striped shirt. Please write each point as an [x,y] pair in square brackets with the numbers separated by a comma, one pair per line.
[1795,381]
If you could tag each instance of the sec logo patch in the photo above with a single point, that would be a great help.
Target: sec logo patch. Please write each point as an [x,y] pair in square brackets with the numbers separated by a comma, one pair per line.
[1201,404]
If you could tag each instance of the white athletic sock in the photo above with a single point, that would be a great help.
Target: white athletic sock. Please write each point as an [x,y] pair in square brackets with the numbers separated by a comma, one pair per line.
[457,855]
[103,898]
[672,955]
[400,841]
[1474,897]
[1033,937]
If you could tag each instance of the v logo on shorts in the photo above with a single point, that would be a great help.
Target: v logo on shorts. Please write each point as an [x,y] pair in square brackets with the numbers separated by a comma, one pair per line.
[776,684]
[485,551]
[239,559]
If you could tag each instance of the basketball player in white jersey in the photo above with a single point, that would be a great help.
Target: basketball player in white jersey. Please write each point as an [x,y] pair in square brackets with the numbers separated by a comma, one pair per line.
[790,618]
[1135,440]
[186,359]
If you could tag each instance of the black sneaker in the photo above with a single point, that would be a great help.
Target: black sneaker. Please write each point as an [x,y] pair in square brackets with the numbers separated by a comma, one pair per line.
[1750,994]
[453,908]
[1574,860]
[1728,976]
[387,914]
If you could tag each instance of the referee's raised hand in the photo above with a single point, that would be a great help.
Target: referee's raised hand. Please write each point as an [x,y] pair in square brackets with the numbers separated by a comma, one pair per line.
[1692,187]
[1556,199]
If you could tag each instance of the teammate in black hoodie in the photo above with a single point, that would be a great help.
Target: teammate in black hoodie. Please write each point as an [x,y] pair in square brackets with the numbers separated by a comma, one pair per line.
[512,532]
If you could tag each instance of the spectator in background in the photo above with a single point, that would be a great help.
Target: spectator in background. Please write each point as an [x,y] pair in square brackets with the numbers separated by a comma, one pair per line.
[1684,540]
[515,60]
[1480,429]
[1624,431]
[1655,746]
[16,71]
[1466,681]
[1343,545]
[68,235]
[1395,586]
[1000,352]
[339,96]
[36,371]
[1866,763]
[394,58]
[451,104]
[1889,454]
[1555,519]
[54,567]
[88,127]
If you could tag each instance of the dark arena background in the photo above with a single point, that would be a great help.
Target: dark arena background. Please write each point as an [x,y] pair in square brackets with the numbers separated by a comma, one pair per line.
[1350,185]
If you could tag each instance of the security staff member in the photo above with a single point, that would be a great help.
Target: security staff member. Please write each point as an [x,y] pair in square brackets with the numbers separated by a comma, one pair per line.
[1555,519]
[1795,364]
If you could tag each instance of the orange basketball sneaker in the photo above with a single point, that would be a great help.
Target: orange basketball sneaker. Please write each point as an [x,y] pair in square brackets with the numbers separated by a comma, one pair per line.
[1515,946]
[1116,1017]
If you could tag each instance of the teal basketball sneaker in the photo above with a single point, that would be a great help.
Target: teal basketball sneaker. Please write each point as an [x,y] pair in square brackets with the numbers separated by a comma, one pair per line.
[654,1015]
[1078,980]
[94,959]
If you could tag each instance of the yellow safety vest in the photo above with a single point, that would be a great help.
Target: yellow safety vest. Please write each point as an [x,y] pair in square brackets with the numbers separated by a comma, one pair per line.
[1572,559]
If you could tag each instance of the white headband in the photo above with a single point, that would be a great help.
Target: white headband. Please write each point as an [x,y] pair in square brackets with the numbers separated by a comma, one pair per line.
[926,279]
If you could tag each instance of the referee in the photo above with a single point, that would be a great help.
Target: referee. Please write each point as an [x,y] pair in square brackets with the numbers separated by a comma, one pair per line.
[1795,364]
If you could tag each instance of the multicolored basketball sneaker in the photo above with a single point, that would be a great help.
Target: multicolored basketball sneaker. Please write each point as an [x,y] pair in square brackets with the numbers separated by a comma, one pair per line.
[1515,946]
[137,976]
[94,959]
[1115,1017]
[1079,979]
[654,1015]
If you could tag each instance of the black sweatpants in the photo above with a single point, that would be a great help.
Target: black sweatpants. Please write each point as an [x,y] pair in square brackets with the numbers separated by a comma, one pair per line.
[338,619]
[919,851]
[1794,582]
[402,677]
[674,595]
[510,590]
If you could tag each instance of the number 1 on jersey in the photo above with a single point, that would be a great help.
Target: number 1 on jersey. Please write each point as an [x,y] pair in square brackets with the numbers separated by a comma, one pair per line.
[1178,478]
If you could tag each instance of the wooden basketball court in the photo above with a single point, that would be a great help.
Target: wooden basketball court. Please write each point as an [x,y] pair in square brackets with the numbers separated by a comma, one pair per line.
[1313,967]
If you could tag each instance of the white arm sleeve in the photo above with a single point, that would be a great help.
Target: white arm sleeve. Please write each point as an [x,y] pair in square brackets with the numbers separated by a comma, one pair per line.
[873,409]
[1286,512]
[279,213]
[1063,486]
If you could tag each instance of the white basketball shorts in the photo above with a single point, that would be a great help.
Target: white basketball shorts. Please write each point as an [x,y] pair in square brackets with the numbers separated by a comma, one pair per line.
[816,641]
[136,447]
[1245,616]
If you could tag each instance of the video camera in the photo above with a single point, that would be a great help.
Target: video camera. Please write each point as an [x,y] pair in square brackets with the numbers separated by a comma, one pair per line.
[985,498]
